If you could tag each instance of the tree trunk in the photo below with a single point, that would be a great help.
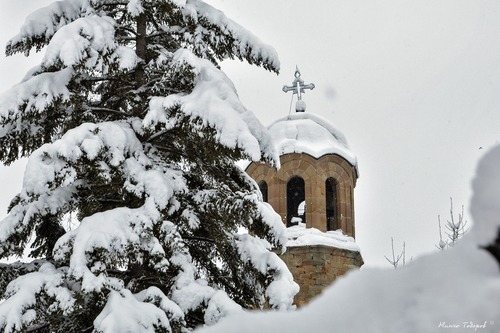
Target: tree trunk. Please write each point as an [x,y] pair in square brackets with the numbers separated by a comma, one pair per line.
[140,51]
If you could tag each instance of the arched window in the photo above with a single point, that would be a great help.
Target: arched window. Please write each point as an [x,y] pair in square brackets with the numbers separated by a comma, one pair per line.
[263,190]
[295,201]
[331,204]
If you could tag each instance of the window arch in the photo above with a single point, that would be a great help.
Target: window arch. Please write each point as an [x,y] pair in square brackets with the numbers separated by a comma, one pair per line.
[264,190]
[331,204]
[295,201]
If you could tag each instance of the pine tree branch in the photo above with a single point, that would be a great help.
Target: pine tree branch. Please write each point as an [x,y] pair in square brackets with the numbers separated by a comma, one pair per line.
[37,327]
[124,28]
[157,135]
[202,239]
[111,4]
[158,34]
[100,109]
[99,79]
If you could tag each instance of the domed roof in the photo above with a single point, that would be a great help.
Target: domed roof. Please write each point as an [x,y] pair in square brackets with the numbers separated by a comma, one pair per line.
[304,132]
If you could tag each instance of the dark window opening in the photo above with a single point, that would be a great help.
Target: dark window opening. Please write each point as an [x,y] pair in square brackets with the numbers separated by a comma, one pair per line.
[331,204]
[263,190]
[295,201]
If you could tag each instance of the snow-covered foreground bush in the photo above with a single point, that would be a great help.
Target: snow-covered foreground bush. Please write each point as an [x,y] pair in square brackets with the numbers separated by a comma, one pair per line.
[457,290]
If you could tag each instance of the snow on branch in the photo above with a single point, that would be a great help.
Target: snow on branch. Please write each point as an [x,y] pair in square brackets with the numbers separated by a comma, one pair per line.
[246,45]
[53,172]
[125,313]
[19,309]
[88,39]
[34,94]
[190,292]
[42,24]
[256,252]
[214,100]
[110,235]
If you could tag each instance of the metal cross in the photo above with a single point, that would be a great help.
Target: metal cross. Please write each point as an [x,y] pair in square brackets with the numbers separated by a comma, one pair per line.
[298,85]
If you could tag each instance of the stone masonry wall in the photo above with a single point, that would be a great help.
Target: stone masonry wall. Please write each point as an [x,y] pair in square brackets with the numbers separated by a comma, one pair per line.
[314,172]
[316,267]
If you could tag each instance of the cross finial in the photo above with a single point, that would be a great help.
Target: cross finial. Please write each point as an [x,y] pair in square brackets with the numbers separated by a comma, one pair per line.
[298,88]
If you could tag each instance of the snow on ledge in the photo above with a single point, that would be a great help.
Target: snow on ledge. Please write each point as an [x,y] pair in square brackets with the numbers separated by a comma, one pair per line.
[301,236]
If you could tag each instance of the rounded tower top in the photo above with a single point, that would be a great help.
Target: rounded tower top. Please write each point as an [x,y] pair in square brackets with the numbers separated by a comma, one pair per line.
[314,185]
[310,134]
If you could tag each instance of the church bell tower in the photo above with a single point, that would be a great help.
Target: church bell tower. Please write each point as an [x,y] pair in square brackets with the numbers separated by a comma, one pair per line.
[315,183]
[313,190]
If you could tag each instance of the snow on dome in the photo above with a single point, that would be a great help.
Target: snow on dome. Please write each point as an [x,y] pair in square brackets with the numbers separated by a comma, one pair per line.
[301,236]
[311,134]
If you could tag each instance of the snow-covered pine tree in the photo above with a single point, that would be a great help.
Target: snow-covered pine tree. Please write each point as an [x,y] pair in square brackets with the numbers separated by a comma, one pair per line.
[132,132]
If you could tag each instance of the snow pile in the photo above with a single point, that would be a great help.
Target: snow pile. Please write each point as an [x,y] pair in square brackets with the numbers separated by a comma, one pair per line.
[308,133]
[301,236]
[457,289]
[486,200]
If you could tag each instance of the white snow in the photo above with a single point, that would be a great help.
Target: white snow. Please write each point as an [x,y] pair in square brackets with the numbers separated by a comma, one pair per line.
[135,8]
[155,295]
[257,251]
[47,20]
[87,39]
[219,306]
[308,133]
[190,292]
[51,177]
[301,236]
[305,132]
[247,40]
[37,92]
[485,201]
[276,227]
[215,101]
[16,310]
[112,231]
[124,313]
[456,290]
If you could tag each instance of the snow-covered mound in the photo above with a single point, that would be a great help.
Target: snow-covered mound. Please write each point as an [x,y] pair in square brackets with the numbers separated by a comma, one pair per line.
[304,132]
[301,236]
[456,290]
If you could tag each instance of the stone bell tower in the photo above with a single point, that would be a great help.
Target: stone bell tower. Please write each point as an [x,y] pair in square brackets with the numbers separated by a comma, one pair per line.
[313,190]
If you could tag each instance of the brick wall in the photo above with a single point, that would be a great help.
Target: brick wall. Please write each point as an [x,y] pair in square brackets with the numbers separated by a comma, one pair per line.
[316,267]
[314,172]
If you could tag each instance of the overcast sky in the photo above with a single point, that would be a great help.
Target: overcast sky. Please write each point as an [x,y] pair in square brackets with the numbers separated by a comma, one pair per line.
[414,86]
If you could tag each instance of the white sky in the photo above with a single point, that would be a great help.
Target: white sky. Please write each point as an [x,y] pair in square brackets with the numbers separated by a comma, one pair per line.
[414,86]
